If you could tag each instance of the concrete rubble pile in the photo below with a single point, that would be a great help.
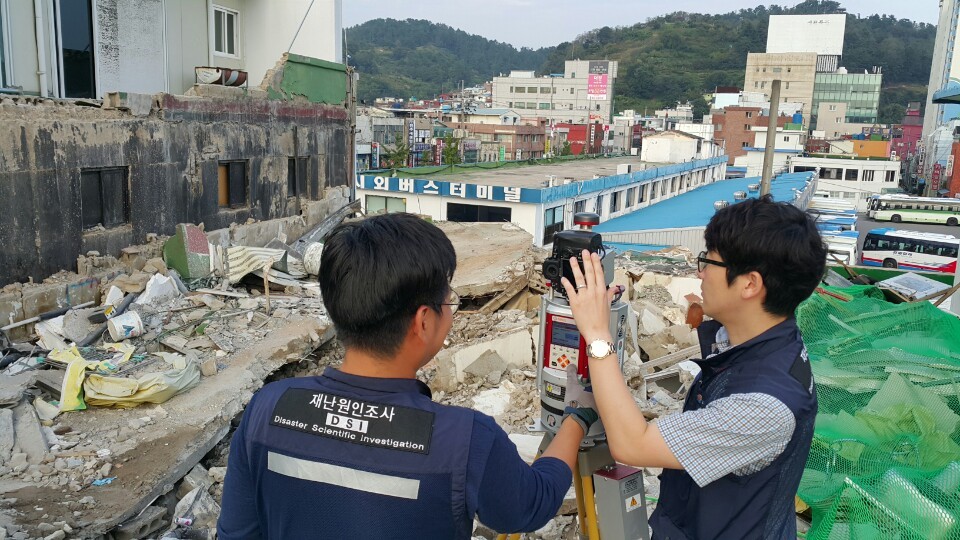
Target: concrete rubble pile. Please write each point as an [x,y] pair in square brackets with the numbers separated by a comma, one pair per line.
[111,454]
[108,405]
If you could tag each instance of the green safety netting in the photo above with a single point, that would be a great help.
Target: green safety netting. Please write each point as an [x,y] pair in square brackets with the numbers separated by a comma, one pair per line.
[885,458]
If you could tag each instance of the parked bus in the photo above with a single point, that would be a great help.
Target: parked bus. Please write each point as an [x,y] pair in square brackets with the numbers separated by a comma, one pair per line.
[911,250]
[903,208]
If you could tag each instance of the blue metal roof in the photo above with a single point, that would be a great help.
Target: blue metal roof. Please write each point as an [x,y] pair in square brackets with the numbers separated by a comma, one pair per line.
[695,208]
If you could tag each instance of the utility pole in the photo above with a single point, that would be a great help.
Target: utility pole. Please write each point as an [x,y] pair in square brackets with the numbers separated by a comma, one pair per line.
[771,138]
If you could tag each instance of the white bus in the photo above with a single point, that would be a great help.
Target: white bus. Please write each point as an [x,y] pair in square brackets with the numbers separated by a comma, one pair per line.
[903,208]
[911,250]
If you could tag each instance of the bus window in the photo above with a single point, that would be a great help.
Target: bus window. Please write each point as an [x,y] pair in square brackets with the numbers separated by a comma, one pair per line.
[950,251]
[870,243]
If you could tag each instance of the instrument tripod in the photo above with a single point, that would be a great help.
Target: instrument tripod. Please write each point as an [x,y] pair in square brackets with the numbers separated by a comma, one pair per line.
[602,483]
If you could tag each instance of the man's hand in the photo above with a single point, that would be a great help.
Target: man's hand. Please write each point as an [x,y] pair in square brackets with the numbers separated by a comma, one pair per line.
[589,297]
[580,404]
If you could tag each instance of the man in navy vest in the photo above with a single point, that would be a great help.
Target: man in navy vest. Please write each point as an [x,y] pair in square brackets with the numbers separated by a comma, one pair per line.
[733,458]
[362,451]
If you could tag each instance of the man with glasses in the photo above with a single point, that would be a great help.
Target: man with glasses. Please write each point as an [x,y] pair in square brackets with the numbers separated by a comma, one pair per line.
[362,451]
[733,458]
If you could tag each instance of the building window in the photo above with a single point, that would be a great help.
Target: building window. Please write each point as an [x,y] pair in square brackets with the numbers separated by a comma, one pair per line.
[749,114]
[746,127]
[579,206]
[532,89]
[832,108]
[232,184]
[673,185]
[225,31]
[296,176]
[642,193]
[744,144]
[378,204]
[473,213]
[552,223]
[788,70]
[868,176]
[631,195]
[5,48]
[851,174]
[76,49]
[544,89]
[787,87]
[786,139]
[520,90]
[104,197]
[888,176]
[615,202]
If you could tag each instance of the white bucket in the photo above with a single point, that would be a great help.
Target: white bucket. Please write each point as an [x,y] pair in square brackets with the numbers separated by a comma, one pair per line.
[311,258]
[125,326]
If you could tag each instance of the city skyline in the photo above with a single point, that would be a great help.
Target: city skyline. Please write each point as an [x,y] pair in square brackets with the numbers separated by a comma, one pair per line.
[565,20]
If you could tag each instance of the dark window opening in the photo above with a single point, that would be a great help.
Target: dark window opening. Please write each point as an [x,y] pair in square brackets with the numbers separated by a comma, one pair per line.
[296,176]
[232,184]
[552,223]
[579,206]
[104,198]
[76,49]
[472,213]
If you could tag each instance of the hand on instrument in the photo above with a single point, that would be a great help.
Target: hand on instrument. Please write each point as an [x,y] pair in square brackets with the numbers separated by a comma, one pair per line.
[580,404]
[589,297]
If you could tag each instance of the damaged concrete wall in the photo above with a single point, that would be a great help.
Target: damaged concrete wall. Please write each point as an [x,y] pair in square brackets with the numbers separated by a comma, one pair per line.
[130,46]
[171,160]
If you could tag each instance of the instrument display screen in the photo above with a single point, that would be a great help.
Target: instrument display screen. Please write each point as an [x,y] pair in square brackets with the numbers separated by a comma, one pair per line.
[565,335]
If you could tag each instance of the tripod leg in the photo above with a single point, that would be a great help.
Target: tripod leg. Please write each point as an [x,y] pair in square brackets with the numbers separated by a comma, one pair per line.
[593,531]
[581,511]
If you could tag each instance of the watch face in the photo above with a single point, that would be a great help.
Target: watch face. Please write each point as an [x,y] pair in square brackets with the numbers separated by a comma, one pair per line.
[599,349]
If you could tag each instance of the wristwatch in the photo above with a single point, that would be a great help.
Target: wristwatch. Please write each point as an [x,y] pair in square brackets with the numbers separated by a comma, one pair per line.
[599,349]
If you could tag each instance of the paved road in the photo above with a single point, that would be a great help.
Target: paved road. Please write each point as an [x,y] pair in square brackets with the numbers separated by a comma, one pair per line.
[865,224]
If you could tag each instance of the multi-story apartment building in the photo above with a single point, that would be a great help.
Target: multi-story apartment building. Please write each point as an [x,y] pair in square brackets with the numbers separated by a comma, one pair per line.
[733,127]
[859,92]
[85,48]
[796,71]
[582,95]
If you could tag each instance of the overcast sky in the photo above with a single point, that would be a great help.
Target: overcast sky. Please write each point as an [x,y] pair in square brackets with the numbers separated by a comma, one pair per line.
[535,23]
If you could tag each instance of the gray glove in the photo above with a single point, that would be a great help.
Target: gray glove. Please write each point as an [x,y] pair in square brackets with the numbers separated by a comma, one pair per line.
[580,404]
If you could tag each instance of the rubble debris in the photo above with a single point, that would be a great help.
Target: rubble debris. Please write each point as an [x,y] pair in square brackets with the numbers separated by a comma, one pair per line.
[188,252]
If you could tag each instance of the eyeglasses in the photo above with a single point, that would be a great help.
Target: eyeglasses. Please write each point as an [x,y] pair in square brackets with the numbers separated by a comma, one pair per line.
[453,300]
[703,261]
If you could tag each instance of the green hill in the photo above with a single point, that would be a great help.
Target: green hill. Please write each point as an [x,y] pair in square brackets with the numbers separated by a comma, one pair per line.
[676,57]
[415,58]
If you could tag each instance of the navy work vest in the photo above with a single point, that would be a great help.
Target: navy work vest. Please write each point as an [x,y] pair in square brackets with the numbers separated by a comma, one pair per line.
[759,505]
[403,475]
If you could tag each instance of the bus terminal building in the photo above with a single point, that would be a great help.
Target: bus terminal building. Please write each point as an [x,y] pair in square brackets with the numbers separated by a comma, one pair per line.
[540,199]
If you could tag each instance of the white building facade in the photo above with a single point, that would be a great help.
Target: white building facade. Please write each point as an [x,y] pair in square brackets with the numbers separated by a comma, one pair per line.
[853,180]
[583,95]
[541,211]
[86,48]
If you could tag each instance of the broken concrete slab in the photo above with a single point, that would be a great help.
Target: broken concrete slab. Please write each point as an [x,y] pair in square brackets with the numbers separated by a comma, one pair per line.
[489,256]
[486,364]
[516,348]
[28,433]
[188,252]
[198,477]
[199,507]
[6,435]
[155,459]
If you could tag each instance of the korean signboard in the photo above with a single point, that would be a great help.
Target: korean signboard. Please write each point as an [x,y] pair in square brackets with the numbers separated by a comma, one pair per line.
[448,189]
[597,79]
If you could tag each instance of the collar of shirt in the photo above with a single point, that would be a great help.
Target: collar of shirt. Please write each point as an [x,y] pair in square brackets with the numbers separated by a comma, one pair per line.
[376,384]
[724,354]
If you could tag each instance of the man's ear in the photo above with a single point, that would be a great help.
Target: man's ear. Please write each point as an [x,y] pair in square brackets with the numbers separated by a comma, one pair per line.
[422,321]
[751,286]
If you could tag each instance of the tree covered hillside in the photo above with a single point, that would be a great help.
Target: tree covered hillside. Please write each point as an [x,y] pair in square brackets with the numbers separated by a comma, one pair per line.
[676,57]
[415,58]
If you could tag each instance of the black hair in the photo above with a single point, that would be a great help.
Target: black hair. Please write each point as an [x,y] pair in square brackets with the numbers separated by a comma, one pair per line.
[375,273]
[777,240]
